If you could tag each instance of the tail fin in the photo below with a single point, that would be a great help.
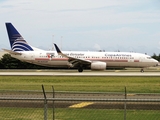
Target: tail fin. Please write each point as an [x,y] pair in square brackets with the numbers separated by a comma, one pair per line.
[17,42]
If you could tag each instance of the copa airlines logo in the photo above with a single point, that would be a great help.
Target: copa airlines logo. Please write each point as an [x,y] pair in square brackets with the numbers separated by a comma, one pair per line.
[21,45]
[50,55]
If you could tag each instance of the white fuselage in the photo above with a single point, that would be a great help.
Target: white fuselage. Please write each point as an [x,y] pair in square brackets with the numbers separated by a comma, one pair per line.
[112,59]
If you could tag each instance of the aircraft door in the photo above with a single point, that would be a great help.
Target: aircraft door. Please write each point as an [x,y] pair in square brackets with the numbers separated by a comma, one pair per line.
[141,59]
[131,60]
[29,56]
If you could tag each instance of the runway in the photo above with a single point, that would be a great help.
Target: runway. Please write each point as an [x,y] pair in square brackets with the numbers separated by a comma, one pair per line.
[75,73]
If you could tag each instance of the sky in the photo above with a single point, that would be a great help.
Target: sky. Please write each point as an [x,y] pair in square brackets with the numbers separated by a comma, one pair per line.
[88,25]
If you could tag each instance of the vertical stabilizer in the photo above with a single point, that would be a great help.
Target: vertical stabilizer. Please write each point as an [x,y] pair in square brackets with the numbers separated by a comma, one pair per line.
[17,42]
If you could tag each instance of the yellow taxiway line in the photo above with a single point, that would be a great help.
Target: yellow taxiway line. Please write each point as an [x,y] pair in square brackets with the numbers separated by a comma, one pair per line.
[81,105]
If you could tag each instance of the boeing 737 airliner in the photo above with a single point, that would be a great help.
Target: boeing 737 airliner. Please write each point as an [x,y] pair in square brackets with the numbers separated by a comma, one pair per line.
[21,50]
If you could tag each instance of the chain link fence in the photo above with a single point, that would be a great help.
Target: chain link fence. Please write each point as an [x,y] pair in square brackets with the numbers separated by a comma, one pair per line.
[60,105]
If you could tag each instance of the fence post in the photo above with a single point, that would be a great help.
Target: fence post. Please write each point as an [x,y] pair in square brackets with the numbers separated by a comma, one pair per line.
[53,102]
[125,105]
[45,104]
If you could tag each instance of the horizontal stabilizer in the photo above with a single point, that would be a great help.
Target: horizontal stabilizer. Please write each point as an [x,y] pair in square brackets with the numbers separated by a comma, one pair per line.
[12,52]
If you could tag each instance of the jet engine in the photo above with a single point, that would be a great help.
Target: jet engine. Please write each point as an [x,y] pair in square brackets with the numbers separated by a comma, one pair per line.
[98,65]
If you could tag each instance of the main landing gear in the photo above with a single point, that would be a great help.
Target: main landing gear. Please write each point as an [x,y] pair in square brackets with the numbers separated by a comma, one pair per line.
[80,69]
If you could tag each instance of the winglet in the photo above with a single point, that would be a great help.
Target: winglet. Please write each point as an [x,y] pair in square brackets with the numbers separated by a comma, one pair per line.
[59,51]
[70,58]
[57,48]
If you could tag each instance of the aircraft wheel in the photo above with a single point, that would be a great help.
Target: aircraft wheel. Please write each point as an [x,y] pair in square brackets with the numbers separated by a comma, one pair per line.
[142,70]
[80,69]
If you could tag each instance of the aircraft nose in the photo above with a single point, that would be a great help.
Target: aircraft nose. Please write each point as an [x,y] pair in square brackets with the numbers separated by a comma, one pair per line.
[156,62]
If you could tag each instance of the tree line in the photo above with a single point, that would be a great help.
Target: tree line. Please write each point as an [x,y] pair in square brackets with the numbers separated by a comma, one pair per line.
[7,62]
[157,57]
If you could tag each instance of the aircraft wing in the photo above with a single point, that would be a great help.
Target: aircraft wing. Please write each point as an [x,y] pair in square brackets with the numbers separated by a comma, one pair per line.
[72,60]
[12,52]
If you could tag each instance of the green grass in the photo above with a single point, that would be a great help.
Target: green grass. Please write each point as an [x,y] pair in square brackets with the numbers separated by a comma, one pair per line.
[89,84]
[21,114]
[76,114]
[104,114]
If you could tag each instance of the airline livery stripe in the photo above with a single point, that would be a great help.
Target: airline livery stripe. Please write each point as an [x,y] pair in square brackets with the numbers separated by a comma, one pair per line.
[65,59]
[136,60]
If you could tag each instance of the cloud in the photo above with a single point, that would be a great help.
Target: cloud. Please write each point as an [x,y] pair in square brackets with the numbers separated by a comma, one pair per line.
[106,22]
[75,13]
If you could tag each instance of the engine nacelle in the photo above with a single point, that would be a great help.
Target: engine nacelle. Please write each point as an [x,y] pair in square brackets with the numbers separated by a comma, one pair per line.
[98,65]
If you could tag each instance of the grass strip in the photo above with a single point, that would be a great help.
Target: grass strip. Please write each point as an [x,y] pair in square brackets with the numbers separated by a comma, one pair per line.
[76,114]
[89,84]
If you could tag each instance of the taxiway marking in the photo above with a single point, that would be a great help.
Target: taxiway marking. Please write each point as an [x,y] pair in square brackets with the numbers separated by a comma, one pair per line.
[81,105]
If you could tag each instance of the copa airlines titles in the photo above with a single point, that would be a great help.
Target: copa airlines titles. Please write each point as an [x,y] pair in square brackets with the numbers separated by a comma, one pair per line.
[82,54]
[118,55]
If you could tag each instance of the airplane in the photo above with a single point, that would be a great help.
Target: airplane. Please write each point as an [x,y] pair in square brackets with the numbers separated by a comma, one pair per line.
[21,50]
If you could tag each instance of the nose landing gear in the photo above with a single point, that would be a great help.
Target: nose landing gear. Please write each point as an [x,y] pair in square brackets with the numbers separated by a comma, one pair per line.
[142,70]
